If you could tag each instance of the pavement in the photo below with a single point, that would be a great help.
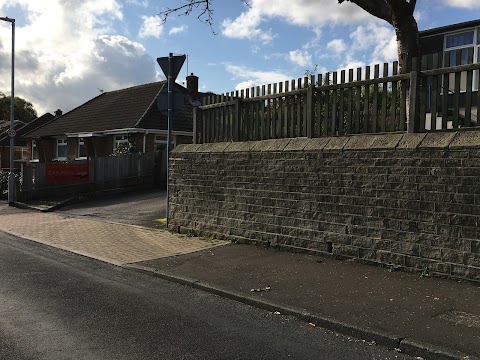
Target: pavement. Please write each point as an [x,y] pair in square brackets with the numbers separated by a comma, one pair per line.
[427,317]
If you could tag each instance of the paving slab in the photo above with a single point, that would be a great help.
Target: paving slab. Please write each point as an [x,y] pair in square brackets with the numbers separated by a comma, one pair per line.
[111,242]
[370,299]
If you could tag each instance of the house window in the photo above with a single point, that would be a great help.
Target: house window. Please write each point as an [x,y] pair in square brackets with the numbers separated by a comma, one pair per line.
[61,148]
[82,153]
[461,49]
[24,153]
[34,151]
[119,140]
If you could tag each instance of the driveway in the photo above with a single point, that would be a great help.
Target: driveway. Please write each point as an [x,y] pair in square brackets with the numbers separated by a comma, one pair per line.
[135,208]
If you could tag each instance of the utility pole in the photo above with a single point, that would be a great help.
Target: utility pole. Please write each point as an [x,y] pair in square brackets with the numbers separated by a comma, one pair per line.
[171,66]
[11,131]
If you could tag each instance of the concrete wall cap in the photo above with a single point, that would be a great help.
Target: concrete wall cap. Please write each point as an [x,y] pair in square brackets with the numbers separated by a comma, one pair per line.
[466,139]
[297,144]
[437,140]
[410,141]
[337,143]
[241,146]
[316,144]
[386,141]
[271,145]
[185,148]
[359,142]
[213,147]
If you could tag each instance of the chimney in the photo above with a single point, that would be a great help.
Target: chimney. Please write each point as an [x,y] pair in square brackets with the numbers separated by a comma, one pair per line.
[192,84]
[58,113]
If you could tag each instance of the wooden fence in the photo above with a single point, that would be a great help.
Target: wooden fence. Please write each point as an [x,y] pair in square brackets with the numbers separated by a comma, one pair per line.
[345,102]
[104,173]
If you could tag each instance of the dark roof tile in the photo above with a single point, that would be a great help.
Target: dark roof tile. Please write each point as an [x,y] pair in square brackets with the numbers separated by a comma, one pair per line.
[133,107]
[25,129]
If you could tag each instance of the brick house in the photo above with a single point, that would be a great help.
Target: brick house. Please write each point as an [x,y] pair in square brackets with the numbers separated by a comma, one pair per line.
[21,149]
[127,116]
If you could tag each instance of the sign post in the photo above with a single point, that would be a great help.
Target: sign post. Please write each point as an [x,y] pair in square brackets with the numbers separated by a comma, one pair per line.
[11,176]
[170,66]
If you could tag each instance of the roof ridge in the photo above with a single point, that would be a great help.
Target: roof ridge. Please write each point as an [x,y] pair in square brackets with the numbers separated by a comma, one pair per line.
[183,89]
[150,106]
[134,86]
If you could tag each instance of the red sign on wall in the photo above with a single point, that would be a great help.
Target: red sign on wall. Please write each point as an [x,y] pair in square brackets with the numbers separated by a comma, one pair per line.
[58,172]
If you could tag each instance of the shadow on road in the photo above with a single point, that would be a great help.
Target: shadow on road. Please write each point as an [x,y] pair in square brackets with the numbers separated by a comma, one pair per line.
[140,208]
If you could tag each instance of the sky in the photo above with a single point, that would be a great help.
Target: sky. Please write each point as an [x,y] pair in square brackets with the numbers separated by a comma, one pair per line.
[69,51]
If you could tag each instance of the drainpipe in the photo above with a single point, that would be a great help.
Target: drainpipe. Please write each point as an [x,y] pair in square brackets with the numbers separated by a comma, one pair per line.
[145,141]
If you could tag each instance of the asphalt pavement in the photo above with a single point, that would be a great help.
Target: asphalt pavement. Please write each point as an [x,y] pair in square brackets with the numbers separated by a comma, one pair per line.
[55,305]
[140,208]
[423,316]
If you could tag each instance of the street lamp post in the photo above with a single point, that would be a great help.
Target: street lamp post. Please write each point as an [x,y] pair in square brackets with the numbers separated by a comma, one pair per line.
[11,184]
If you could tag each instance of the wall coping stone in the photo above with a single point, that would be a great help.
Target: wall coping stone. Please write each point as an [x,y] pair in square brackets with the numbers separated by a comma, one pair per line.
[213,147]
[317,144]
[437,140]
[411,141]
[185,148]
[271,145]
[360,142]
[387,141]
[297,144]
[465,139]
[242,146]
[337,143]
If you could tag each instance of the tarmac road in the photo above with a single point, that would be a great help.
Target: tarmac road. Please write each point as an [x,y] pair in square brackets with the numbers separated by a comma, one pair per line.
[58,305]
[133,208]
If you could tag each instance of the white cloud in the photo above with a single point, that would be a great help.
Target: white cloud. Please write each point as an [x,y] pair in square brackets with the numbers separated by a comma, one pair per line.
[142,3]
[314,42]
[177,30]
[251,77]
[245,26]
[352,64]
[338,46]
[467,4]
[310,13]
[375,41]
[151,27]
[300,58]
[64,53]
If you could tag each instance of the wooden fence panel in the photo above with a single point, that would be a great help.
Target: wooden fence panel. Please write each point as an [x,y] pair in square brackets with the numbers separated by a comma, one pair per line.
[376,100]
[445,91]
[358,99]
[394,101]
[333,112]
[376,75]
[106,172]
[366,110]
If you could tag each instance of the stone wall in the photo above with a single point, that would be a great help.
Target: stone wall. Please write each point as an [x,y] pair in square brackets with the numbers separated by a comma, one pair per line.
[403,200]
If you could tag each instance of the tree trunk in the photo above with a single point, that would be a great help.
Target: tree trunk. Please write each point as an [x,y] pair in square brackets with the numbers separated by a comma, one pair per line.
[406,30]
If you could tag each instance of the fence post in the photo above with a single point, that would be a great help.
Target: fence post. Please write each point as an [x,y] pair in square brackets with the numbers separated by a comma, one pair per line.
[196,126]
[309,122]
[91,171]
[237,117]
[414,111]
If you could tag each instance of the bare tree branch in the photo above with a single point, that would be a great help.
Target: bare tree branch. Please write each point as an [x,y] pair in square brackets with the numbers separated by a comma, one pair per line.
[205,12]
[205,16]
[377,8]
